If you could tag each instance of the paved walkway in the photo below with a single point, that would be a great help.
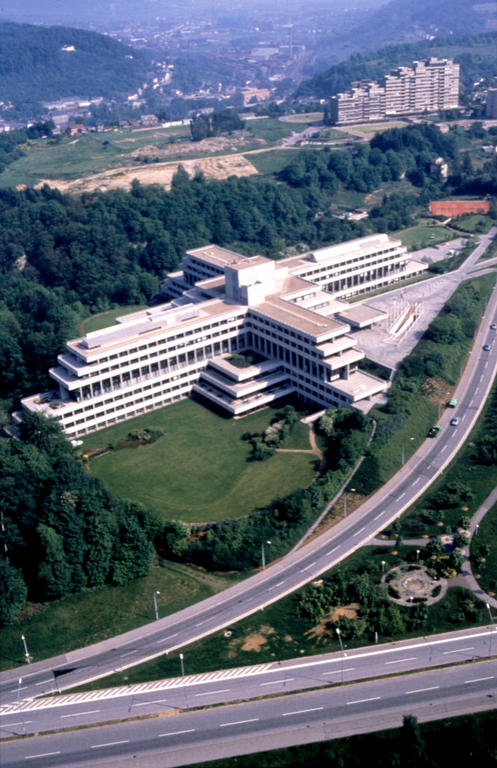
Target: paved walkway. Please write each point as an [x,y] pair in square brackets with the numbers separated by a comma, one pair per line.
[465,578]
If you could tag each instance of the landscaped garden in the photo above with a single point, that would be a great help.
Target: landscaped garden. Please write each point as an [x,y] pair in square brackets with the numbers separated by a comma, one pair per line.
[198,470]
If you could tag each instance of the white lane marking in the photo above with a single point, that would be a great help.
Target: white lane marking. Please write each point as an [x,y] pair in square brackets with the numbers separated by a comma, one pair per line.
[478,680]
[338,671]
[144,703]
[45,754]
[399,661]
[209,693]
[80,714]
[377,516]
[275,682]
[109,744]
[463,417]
[165,639]
[128,653]
[43,682]
[443,449]
[359,531]
[486,364]
[460,650]
[471,403]
[176,733]
[280,583]
[415,482]
[422,690]
[332,550]
[239,722]
[305,567]
[199,623]
[21,722]
[19,688]
[481,377]
[362,701]
[301,711]
[401,496]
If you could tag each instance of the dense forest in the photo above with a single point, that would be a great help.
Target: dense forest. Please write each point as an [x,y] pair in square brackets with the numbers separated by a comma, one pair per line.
[477,60]
[62,257]
[44,63]
[63,532]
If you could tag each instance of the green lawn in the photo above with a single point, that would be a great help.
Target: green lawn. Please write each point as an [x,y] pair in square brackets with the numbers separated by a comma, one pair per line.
[94,615]
[272,161]
[198,470]
[105,319]
[424,235]
[272,131]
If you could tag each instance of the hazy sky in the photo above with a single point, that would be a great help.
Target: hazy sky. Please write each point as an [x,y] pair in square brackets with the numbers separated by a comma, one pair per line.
[91,11]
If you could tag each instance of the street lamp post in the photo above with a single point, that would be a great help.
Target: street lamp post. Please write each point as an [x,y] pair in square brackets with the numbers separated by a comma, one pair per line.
[345,501]
[417,555]
[263,553]
[156,592]
[182,665]
[492,621]
[27,657]
[383,563]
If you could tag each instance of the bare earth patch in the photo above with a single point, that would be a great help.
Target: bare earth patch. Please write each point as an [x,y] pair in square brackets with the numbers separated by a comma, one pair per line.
[328,622]
[256,640]
[220,167]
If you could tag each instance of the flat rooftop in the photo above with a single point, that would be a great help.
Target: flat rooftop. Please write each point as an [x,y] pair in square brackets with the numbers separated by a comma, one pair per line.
[219,257]
[361,315]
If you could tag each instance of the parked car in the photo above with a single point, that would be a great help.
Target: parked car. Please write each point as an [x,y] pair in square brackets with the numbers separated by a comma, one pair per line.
[486,347]
[494,326]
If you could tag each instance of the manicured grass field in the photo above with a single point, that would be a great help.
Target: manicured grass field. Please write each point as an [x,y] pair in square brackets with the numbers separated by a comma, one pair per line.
[423,236]
[94,615]
[272,130]
[104,319]
[198,470]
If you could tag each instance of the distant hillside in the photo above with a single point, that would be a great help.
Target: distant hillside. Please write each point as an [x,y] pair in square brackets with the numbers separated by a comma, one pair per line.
[409,21]
[475,54]
[47,63]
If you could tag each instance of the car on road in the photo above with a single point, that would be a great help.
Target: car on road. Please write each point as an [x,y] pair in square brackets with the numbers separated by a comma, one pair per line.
[494,326]
[455,421]
[435,430]
[486,347]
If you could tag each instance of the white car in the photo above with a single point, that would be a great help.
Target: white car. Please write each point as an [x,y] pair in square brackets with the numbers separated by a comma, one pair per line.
[455,421]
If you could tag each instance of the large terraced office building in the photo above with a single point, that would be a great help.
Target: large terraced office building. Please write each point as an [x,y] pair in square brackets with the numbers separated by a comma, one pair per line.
[290,312]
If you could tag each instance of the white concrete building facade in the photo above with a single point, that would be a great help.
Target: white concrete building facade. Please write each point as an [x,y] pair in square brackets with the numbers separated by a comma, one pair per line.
[289,313]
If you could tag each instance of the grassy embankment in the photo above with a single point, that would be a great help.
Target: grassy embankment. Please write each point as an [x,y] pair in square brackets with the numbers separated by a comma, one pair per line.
[278,632]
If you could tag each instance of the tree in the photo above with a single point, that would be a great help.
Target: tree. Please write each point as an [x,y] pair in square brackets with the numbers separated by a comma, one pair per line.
[54,572]
[13,592]
[412,746]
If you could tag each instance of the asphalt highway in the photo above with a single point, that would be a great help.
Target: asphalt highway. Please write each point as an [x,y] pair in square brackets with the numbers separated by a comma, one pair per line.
[184,738]
[244,683]
[296,569]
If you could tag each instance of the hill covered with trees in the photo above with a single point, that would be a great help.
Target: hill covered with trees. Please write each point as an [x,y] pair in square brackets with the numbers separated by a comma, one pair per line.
[48,63]
[475,54]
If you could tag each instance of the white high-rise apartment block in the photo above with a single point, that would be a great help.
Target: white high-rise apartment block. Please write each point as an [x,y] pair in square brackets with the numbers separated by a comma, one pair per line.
[290,313]
[425,86]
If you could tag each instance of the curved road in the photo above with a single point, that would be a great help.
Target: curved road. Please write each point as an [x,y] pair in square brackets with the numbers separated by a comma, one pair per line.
[293,571]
